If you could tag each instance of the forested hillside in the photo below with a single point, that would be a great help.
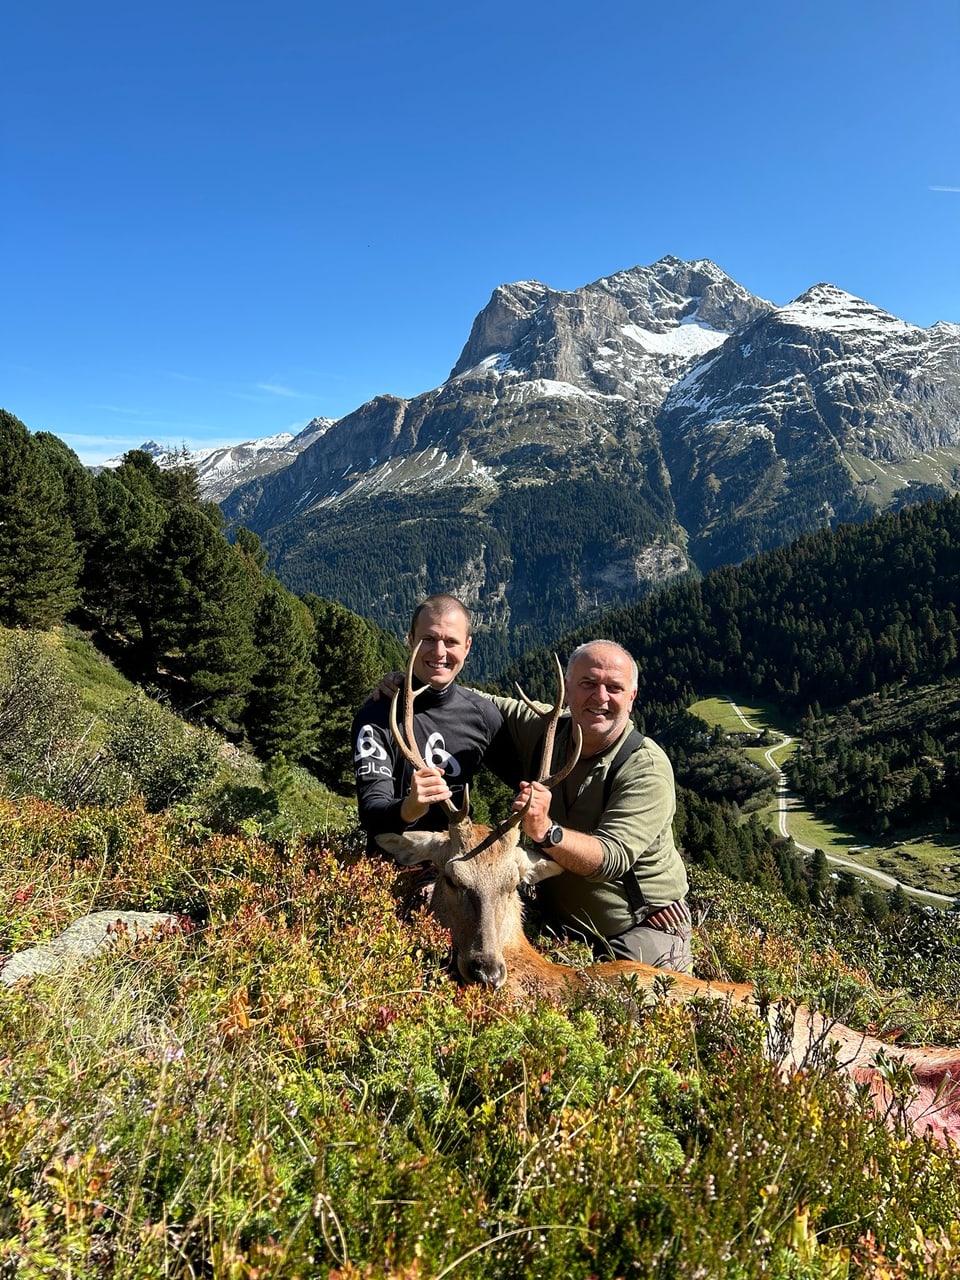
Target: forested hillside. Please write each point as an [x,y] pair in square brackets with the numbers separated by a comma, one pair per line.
[866,615]
[564,548]
[885,762]
[134,557]
[833,616]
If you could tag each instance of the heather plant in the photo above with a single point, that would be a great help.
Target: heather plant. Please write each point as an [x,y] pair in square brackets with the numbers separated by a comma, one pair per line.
[899,978]
[291,1086]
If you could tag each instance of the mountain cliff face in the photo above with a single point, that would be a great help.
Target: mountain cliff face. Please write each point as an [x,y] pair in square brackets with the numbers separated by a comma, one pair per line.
[818,412]
[589,445]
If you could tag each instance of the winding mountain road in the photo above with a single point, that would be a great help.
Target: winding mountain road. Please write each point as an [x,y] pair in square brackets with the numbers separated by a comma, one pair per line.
[786,801]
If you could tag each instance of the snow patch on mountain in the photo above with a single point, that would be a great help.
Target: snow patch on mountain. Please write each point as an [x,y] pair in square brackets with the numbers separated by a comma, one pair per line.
[827,307]
[689,339]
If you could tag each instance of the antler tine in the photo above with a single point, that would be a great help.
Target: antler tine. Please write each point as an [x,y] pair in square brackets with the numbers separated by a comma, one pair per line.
[576,741]
[407,741]
[408,744]
[501,829]
[576,745]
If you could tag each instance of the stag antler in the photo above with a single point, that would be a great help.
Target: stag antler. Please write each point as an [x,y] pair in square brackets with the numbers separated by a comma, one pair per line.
[576,738]
[407,742]
[546,756]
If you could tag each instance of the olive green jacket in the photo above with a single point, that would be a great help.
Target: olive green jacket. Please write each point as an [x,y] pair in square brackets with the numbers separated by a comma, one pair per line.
[634,828]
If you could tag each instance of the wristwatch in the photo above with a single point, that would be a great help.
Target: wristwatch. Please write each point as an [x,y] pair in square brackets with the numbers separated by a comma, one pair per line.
[553,837]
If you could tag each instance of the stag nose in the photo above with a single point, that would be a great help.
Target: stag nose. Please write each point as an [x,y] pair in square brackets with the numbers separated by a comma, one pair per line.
[492,973]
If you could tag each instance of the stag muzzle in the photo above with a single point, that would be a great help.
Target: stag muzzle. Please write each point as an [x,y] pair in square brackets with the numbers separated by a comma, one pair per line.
[487,969]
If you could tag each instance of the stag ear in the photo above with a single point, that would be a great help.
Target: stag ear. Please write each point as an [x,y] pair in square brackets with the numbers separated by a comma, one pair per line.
[415,846]
[535,867]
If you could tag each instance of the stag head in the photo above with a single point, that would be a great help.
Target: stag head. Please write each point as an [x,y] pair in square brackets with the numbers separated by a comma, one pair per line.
[479,869]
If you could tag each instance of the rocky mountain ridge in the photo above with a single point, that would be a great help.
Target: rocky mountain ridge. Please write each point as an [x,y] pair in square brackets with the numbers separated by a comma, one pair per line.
[589,445]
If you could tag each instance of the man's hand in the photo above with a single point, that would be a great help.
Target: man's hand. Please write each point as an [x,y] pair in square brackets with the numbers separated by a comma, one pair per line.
[427,787]
[577,852]
[388,686]
[536,821]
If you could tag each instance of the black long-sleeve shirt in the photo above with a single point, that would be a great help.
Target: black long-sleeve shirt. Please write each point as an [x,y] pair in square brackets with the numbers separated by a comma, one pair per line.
[453,727]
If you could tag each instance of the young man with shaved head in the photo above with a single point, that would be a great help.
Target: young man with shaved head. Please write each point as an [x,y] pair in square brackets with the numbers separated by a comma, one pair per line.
[453,727]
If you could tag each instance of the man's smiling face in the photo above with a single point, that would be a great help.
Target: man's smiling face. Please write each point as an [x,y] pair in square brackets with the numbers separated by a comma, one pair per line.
[601,688]
[446,643]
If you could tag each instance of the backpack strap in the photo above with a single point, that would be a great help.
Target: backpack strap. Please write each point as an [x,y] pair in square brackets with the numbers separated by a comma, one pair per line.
[635,899]
[633,742]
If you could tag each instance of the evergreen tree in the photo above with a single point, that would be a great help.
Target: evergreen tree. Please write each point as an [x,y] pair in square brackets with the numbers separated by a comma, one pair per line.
[79,488]
[203,614]
[174,485]
[349,664]
[248,543]
[118,583]
[39,560]
[282,714]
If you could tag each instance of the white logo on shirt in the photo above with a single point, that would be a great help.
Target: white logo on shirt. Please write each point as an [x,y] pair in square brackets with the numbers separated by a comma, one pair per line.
[368,746]
[436,756]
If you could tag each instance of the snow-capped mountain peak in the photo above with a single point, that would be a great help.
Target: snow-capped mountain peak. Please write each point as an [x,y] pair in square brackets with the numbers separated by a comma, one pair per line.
[827,307]
[222,468]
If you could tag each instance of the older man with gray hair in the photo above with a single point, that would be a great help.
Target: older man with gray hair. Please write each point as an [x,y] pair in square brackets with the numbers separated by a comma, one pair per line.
[609,823]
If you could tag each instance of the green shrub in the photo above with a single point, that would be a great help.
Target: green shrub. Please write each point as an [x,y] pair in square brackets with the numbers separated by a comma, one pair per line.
[296,1089]
[150,752]
[39,714]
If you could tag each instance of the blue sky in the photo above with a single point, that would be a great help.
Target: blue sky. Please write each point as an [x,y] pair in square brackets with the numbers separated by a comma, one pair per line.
[221,220]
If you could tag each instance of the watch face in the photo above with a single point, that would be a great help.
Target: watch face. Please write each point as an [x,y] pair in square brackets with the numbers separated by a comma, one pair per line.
[554,835]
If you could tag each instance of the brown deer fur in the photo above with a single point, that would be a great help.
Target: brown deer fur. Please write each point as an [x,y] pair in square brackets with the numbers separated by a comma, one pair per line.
[476,898]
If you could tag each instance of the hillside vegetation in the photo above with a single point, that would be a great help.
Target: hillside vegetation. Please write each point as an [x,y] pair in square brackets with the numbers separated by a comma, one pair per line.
[290,1086]
[854,632]
[134,558]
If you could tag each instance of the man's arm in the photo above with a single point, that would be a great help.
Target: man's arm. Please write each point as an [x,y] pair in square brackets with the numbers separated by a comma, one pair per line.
[634,830]
[578,852]
[374,765]
[380,772]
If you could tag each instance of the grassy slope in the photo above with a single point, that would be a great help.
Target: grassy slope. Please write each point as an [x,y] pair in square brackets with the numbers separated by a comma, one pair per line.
[306,804]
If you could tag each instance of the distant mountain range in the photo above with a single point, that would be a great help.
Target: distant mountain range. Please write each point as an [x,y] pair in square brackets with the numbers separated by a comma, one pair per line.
[590,445]
[223,468]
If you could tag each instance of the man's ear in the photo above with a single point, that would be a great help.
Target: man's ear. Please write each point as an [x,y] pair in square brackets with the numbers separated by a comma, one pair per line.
[415,846]
[535,867]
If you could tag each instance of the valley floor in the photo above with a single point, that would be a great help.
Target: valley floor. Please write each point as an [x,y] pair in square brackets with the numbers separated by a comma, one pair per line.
[925,865]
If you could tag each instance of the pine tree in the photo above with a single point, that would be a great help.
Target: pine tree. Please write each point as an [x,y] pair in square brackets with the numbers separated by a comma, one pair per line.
[79,487]
[118,584]
[248,542]
[203,614]
[173,485]
[281,715]
[349,665]
[39,560]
